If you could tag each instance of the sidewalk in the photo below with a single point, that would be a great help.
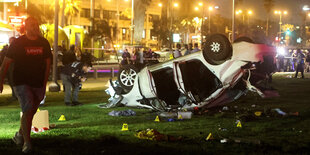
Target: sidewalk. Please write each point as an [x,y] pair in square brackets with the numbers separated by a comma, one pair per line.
[90,83]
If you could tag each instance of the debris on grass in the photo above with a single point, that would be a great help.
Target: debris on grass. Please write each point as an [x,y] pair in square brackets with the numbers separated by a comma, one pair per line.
[154,135]
[224,140]
[225,108]
[258,113]
[52,126]
[128,112]
[280,112]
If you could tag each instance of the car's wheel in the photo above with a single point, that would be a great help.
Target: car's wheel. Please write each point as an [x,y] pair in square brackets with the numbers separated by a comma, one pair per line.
[245,39]
[217,49]
[126,77]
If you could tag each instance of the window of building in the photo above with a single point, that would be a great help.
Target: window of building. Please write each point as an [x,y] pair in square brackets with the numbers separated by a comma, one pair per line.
[97,13]
[85,13]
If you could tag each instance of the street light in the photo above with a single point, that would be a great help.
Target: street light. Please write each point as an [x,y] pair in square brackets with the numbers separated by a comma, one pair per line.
[277,12]
[210,10]
[250,12]
[176,5]
[233,21]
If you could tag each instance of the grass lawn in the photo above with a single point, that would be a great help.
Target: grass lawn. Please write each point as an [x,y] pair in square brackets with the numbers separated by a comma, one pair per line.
[90,130]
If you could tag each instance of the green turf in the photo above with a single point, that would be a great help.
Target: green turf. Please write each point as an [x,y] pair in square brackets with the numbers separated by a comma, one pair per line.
[89,130]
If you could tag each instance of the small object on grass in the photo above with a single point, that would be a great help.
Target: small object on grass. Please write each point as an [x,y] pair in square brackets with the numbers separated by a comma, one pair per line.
[294,113]
[210,137]
[239,124]
[258,113]
[52,125]
[125,127]
[62,118]
[171,120]
[280,112]
[224,140]
[157,119]
[180,117]
[253,106]
[225,108]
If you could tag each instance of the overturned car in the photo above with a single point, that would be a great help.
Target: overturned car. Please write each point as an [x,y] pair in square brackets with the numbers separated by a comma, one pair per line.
[220,73]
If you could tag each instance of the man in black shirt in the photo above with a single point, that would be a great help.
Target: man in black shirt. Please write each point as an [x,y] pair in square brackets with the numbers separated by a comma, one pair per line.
[72,75]
[69,56]
[31,54]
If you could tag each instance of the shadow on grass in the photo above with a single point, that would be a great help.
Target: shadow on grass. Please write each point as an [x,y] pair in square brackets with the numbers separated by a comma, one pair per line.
[113,145]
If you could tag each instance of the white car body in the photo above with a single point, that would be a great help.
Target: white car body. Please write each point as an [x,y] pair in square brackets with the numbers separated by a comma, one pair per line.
[148,85]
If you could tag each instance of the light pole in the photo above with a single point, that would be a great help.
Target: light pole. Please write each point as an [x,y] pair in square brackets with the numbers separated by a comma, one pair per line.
[210,10]
[241,12]
[54,86]
[171,8]
[250,12]
[233,21]
[132,20]
[280,20]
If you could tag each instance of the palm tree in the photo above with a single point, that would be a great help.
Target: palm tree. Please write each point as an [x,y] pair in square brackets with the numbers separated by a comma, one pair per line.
[70,8]
[139,18]
[268,4]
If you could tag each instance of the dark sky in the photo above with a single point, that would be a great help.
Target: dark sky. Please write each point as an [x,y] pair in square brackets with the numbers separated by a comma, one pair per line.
[292,6]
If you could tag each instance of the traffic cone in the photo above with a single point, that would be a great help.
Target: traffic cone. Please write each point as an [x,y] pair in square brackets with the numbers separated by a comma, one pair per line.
[125,127]
[62,118]
[157,119]
[209,136]
[180,117]
[38,110]
[239,124]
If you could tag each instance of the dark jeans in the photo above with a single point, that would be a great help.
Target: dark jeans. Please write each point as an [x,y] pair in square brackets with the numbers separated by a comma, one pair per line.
[300,68]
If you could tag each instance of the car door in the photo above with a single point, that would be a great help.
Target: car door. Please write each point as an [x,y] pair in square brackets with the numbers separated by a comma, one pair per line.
[179,80]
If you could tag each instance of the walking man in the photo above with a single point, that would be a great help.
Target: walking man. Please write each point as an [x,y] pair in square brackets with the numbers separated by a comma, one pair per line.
[31,54]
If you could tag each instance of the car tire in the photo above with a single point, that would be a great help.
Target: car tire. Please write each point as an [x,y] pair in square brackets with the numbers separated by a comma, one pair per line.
[126,77]
[217,49]
[245,39]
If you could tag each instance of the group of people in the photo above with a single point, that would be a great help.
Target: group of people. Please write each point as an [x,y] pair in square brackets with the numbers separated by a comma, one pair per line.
[139,58]
[188,49]
[297,61]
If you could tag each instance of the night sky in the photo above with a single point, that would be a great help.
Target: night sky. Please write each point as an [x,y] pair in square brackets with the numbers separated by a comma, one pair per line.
[292,6]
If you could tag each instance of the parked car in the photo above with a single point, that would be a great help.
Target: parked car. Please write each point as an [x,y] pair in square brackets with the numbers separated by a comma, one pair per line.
[220,73]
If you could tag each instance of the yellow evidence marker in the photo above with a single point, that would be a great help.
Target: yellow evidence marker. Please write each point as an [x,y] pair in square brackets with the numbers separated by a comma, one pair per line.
[157,119]
[125,127]
[239,125]
[62,118]
[209,136]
